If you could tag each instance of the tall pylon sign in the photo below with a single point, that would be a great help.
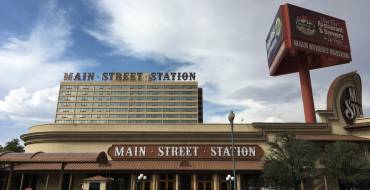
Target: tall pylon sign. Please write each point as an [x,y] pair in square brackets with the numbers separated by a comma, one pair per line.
[300,40]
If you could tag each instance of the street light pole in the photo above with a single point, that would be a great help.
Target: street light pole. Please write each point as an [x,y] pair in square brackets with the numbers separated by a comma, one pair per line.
[231,120]
[229,180]
[141,178]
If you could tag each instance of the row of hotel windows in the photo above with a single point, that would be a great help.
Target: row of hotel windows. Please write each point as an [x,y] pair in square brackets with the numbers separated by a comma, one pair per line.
[70,116]
[106,98]
[72,110]
[91,104]
[128,92]
[100,87]
[123,121]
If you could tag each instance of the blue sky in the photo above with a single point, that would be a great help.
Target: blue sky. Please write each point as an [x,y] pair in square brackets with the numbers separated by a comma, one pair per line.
[223,41]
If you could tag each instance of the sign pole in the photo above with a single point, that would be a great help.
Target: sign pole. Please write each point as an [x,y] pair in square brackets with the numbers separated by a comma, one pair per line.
[306,89]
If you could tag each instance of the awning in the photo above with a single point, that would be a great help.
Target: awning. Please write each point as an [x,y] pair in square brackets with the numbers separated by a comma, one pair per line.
[40,157]
[331,137]
[144,165]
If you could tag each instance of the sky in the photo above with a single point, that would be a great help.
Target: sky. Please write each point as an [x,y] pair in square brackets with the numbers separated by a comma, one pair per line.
[222,41]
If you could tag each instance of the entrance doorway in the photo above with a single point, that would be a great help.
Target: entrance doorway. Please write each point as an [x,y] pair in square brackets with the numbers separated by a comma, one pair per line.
[166,182]
[204,182]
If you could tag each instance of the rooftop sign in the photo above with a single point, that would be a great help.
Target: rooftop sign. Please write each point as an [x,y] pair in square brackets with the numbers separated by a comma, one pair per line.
[297,30]
[130,76]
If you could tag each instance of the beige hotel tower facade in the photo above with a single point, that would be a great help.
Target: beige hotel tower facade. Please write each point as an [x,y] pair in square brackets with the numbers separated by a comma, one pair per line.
[134,100]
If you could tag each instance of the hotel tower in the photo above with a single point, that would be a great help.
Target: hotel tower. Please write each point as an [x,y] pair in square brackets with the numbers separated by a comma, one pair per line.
[128,101]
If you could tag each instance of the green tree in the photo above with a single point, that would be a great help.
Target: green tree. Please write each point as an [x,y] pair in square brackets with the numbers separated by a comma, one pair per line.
[12,146]
[345,162]
[290,161]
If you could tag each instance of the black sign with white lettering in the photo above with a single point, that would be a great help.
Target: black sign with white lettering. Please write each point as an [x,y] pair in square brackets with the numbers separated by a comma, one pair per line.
[350,105]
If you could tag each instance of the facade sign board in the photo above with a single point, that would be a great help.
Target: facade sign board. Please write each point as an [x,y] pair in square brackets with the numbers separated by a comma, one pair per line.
[303,31]
[204,152]
[322,34]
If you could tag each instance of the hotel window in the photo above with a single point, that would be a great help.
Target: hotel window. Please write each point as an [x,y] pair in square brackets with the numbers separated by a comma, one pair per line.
[136,116]
[154,115]
[166,182]
[83,87]
[137,103]
[64,98]
[137,98]
[185,182]
[154,109]
[116,86]
[155,86]
[137,86]
[204,182]
[117,121]
[64,121]
[101,87]
[137,110]
[68,87]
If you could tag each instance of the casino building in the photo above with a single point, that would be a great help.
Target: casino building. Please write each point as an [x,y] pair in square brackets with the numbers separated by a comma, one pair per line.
[136,131]
[171,156]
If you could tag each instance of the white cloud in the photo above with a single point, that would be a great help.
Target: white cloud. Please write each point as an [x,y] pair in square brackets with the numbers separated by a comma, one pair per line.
[223,41]
[219,40]
[31,66]
[274,120]
[36,61]
[39,106]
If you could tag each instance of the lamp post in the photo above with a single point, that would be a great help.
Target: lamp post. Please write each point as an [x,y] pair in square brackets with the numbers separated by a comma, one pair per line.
[229,179]
[231,120]
[140,179]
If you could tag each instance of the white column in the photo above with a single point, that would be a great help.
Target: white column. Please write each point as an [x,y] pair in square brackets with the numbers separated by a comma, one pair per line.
[47,182]
[103,185]
[215,182]
[70,182]
[177,182]
[154,182]
[133,182]
[194,181]
[238,184]
[21,185]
